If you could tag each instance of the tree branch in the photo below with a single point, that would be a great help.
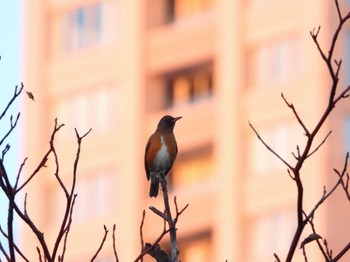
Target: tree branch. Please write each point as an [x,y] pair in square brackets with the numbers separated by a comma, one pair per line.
[101,245]
[14,97]
[269,148]
[114,245]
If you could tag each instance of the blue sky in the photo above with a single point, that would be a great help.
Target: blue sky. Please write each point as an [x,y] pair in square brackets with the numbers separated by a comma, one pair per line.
[10,66]
[11,60]
[10,76]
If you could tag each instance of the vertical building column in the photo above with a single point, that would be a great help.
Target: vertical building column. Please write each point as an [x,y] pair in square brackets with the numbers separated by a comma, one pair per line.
[131,81]
[34,114]
[229,76]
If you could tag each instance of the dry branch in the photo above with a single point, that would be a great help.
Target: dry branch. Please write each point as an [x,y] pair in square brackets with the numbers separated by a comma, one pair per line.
[294,171]
[101,244]
[11,191]
[169,227]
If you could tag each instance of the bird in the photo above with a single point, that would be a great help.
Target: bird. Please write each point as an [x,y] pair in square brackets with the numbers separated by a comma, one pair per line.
[161,152]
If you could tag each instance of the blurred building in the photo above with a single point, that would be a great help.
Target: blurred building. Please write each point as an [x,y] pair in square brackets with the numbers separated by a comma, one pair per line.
[117,66]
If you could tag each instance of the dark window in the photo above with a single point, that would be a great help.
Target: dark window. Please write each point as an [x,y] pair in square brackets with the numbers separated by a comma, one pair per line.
[190,85]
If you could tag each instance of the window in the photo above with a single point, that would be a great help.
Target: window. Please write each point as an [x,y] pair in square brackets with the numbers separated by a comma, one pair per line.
[196,248]
[185,8]
[274,62]
[88,26]
[82,27]
[192,167]
[99,108]
[268,233]
[159,12]
[182,87]
[191,85]
[96,195]
[166,11]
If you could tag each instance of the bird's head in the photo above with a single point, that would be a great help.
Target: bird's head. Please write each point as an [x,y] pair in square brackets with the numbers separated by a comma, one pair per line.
[167,122]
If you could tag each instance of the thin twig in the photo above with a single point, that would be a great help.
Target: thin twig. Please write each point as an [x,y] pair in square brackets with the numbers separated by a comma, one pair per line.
[317,240]
[291,106]
[149,247]
[158,212]
[15,95]
[269,148]
[19,172]
[277,258]
[68,228]
[141,232]
[44,159]
[338,10]
[173,240]
[341,253]
[39,254]
[4,252]
[304,254]
[318,147]
[69,197]
[101,244]
[15,246]
[57,169]
[12,127]
[114,245]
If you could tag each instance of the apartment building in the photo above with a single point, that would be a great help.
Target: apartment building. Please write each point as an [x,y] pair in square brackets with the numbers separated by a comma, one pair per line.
[118,66]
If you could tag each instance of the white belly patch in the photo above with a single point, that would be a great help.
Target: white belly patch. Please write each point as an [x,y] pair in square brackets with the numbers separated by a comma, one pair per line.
[162,161]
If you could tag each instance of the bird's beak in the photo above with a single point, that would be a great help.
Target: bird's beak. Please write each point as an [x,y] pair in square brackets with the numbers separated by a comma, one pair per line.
[177,118]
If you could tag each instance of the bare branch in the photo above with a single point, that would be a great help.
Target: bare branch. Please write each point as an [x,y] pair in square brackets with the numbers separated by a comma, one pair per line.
[157,253]
[101,245]
[44,159]
[19,172]
[158,212]
[114,245]
[314,34]
[328,251]
[304,254]
[149,247]
[12,127]
[15,95]
[4,252]
[67,229]
[338,10]
[341,253]
[290,174]
[70,195]
[4,151]
[171,223]
[15,246]
[39,254]
[141,232]
[324,253]
[344,94]
[291,106]
[277,258]
[318,147]
[57,170]
[270,149]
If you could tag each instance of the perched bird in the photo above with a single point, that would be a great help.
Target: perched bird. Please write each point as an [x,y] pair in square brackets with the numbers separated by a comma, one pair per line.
[161,151]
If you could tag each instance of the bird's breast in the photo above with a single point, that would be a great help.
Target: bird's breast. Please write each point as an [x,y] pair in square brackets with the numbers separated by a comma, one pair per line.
[162,159]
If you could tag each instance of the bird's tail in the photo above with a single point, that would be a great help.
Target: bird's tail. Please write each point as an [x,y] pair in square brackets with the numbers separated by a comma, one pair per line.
[153,191]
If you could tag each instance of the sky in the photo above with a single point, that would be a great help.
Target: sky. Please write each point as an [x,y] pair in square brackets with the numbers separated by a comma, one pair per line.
[10,76]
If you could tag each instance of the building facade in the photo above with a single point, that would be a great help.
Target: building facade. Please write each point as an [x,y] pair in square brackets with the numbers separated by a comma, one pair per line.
[118,66]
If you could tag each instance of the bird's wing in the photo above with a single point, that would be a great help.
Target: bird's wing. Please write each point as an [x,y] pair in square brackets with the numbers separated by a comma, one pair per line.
[147,171]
